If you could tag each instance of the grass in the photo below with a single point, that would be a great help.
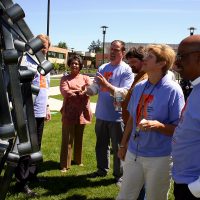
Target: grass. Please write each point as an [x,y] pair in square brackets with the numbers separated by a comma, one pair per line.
[54,82]
[60,97]
[74,185]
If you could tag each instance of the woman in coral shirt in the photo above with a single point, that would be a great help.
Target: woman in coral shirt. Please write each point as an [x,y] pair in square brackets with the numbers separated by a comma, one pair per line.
[76,113]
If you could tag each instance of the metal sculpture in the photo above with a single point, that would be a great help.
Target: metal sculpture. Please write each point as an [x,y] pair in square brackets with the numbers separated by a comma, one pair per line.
[17,123]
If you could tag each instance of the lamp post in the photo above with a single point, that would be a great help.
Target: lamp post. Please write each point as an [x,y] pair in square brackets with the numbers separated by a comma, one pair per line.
[104,33]
[191,30]
[48,20]
[48,16]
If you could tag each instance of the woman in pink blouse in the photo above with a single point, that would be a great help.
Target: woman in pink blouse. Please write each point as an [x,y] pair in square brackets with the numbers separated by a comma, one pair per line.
[76,113]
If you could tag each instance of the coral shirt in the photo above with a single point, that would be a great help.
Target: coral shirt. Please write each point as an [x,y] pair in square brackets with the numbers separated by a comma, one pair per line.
[75,109]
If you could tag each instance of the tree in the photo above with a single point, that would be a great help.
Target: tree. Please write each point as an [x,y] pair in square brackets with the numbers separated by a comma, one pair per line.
[95,46]
[58,67]
[62,45]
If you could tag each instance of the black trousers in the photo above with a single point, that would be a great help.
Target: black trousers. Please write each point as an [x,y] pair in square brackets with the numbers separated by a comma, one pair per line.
[182,192]
[26,170]
[40,128]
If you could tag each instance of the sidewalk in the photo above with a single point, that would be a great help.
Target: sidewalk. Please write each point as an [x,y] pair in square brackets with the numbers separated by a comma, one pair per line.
[55,104]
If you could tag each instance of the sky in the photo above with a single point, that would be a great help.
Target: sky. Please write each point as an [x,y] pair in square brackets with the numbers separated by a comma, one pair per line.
[78,22]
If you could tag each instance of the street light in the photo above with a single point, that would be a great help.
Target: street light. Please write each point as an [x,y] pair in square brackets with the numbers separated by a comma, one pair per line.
[191,30]
[104,33]
[48,20]
[48,16]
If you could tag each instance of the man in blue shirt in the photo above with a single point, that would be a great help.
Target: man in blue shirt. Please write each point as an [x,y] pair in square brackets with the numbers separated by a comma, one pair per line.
[186,139]
[113,77]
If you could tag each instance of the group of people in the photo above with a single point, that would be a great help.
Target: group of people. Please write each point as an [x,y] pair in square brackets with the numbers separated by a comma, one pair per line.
[154,122]
[154,128]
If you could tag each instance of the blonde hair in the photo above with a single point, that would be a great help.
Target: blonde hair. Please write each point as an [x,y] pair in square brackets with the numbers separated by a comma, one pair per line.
[44,37]
[163,52]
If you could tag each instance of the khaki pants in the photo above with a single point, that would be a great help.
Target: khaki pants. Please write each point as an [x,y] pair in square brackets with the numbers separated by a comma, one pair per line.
[154,172]
[71,135]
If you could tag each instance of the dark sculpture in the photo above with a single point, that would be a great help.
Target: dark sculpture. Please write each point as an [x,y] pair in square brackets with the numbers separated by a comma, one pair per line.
[17,123]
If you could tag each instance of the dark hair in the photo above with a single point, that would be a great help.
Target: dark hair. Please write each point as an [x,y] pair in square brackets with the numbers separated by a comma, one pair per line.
[122,44]
[136,53]
[77,58]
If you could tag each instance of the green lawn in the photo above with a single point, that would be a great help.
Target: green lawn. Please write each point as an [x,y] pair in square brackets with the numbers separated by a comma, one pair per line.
[74,185]
[59,97]
[54,82]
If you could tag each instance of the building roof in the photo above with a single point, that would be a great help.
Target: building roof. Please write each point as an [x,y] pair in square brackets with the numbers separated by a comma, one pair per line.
[58,49]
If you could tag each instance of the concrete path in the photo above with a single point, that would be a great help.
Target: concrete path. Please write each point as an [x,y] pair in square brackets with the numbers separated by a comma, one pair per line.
[55,104]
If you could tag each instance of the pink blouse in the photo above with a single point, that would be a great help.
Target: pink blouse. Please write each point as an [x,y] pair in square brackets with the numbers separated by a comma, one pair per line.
[75,109]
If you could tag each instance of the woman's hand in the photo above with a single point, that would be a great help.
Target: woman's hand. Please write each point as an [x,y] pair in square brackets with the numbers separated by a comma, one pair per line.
[75,92]
[122,153]
[147,125]
[48,114]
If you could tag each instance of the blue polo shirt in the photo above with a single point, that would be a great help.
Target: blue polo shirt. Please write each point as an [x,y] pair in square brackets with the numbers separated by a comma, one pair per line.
[120,76]
[186,140]
[162,102]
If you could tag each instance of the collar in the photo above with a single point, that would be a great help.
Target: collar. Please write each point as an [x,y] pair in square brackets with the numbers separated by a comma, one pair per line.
[196,81]
[160,82]
[116,65]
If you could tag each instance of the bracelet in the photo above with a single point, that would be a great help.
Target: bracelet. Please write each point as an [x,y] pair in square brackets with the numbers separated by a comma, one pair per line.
[121,146]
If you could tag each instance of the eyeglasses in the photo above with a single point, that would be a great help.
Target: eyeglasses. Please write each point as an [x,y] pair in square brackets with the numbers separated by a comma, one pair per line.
[180,57]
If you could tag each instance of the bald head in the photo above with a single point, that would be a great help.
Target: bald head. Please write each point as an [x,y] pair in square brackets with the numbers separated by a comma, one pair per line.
[189,44]
[187,62]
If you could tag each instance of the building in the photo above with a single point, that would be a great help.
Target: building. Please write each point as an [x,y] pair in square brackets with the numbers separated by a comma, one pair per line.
[58,55]
[99,56]
[87,57]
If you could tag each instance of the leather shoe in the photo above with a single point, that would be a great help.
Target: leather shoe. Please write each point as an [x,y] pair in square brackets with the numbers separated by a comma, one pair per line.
[96,174]
[29,192]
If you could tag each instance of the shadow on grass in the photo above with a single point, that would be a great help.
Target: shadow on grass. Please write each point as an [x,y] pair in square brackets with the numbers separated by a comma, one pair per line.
[62,184]
[83,197]
[48,166]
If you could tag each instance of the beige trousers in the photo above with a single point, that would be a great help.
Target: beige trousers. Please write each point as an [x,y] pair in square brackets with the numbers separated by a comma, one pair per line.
[154,172]
[72,135]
